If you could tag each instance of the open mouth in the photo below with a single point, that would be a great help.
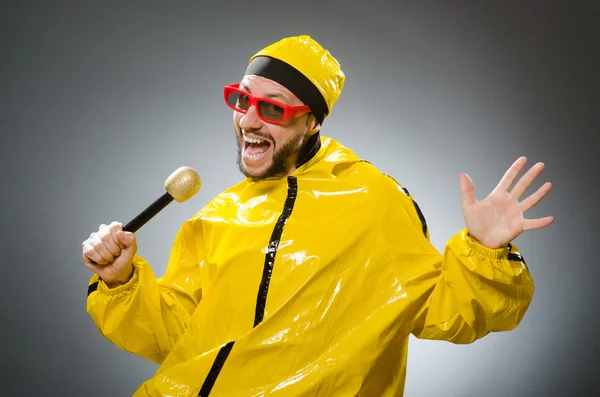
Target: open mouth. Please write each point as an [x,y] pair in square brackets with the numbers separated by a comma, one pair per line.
[255,148]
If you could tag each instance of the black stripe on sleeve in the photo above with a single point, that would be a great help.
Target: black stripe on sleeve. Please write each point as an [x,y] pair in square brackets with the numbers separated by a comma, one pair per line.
[92,287]
[419,212]
[514,257]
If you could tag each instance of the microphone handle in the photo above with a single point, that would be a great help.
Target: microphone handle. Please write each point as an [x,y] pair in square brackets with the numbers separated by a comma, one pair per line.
[148,213]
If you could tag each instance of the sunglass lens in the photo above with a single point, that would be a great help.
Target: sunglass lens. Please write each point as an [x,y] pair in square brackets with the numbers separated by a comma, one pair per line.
[270,110]
[238,100]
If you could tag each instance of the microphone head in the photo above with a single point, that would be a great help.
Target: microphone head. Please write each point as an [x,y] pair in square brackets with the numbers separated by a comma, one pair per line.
[183,183]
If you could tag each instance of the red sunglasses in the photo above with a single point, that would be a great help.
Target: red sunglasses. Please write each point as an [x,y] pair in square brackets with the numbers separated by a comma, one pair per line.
[267,110]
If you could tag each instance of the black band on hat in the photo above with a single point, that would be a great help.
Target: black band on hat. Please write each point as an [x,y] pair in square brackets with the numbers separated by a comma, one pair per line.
[293,80]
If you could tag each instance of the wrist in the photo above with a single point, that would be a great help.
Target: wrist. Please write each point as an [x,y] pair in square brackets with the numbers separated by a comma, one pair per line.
[473,239]
[486,245]
[122,279]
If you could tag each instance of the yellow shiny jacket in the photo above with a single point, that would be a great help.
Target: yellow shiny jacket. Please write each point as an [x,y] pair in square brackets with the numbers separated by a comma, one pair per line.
[308,285]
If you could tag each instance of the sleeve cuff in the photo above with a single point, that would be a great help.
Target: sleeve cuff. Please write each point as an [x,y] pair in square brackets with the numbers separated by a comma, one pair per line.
[482,250]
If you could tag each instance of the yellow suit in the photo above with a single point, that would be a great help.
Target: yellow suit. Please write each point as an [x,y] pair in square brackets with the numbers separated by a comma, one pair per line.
[308,285]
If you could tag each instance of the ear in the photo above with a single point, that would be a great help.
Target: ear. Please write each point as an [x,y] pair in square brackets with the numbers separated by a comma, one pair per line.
[312,125]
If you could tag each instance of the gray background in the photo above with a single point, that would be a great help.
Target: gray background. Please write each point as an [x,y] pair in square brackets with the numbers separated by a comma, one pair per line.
[101,101]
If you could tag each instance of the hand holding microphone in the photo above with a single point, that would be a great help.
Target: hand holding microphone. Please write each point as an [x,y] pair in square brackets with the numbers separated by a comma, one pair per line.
[109,252]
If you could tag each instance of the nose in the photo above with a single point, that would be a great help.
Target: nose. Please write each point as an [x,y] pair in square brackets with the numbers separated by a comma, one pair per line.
[250,120]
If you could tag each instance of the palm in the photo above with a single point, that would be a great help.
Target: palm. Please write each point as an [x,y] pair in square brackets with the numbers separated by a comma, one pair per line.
[499,218]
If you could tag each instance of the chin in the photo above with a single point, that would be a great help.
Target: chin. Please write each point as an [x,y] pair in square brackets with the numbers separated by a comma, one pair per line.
[256,172]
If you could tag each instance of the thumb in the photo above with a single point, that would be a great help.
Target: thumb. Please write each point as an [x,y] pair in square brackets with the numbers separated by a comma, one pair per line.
[127,238]
[467,189]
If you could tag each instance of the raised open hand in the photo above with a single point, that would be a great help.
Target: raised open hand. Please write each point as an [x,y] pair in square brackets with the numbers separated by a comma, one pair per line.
[499,218]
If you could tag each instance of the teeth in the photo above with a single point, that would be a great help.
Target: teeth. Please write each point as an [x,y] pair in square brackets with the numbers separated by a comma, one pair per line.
[252,140]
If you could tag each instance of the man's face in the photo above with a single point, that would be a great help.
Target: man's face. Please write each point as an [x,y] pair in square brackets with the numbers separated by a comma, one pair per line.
[264,149]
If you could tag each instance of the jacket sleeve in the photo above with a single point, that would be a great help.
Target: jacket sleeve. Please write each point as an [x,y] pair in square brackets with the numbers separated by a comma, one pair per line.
[463,294]
[147,316]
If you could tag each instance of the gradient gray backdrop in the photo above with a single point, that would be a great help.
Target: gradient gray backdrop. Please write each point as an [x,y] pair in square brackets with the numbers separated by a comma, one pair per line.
[100,101]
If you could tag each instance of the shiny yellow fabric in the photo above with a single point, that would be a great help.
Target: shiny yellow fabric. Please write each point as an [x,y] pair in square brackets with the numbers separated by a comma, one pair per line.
[313,61]
[354,275]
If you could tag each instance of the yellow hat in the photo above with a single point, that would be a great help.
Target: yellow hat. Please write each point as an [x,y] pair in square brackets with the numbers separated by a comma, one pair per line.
[313,62]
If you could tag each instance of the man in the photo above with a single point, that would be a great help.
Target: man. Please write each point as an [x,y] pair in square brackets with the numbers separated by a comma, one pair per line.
[307,278]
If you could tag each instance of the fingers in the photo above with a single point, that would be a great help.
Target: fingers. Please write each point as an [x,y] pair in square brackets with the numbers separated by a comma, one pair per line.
[114,228]
[467,189]
[98,243]
[90,256]
[109,243]
[127,239]
[103,246]
[526,180]
[535,198]
[511,174]
[532,224]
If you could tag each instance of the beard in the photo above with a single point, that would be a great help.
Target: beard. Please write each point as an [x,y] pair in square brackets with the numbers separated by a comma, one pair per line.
[282,157]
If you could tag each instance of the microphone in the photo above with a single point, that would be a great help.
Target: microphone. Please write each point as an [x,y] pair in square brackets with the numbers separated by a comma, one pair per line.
[180,186]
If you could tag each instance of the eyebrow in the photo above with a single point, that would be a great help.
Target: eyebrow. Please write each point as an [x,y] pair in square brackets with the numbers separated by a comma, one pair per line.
[271,95]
